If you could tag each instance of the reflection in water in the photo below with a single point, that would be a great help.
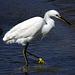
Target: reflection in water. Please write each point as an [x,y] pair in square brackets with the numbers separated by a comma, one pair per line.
[26,73]
[42,69]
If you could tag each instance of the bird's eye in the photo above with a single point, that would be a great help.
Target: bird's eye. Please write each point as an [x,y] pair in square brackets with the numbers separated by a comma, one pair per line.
[58,16]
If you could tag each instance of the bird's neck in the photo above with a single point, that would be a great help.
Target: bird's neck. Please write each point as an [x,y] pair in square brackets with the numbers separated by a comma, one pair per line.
[48,19]
[49,24]
[46,16]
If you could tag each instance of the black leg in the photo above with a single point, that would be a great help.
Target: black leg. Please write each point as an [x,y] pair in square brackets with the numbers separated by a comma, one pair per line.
[24,53]
[40,59]
[32,55]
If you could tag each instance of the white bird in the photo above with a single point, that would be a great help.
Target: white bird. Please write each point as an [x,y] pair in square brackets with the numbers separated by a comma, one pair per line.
[31,29]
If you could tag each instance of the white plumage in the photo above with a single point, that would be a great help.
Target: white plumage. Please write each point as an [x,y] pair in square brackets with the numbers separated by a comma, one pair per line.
[31,29]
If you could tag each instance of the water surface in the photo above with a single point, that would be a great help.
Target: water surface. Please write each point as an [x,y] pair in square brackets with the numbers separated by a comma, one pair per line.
[57,48]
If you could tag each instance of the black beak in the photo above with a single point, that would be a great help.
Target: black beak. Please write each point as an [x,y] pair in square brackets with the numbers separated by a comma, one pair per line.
[64,20]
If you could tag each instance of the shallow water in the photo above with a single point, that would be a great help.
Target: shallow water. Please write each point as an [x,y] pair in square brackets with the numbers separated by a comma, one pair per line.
[57,48]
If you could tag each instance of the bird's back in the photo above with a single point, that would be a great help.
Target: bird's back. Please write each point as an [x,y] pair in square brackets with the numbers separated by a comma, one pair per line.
[24,32]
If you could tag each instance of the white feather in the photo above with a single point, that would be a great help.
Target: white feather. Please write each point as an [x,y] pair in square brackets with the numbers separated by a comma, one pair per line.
[31,29]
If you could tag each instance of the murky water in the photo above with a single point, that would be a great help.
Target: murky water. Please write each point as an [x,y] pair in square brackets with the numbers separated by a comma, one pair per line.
[57,48]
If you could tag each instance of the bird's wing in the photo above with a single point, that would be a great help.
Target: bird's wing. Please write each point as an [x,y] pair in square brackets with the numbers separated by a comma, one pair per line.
[30,31]
[25,29]
[23,25]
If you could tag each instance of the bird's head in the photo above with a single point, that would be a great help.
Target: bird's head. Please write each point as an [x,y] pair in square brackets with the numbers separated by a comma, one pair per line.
[54,13]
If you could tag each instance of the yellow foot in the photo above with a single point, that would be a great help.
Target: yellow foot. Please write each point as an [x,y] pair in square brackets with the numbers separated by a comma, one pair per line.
[41,61]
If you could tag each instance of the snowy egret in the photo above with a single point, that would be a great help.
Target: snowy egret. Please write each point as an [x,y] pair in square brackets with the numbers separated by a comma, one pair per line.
[31,29]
